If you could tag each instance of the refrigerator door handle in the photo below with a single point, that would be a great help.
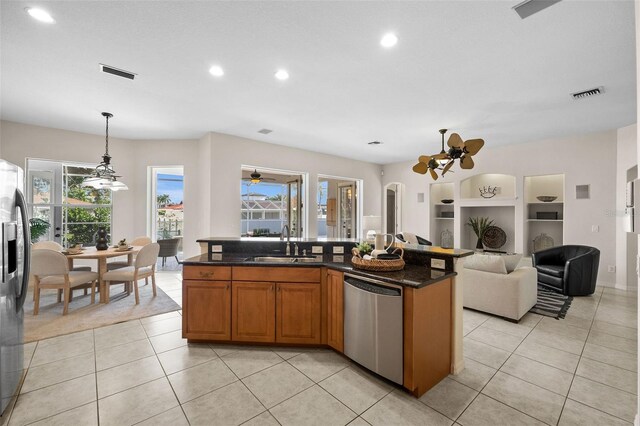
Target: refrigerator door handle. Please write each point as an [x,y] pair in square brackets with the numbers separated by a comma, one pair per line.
[21,203]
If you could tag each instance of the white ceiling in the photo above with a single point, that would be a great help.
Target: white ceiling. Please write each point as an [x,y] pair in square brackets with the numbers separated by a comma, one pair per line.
[474,67]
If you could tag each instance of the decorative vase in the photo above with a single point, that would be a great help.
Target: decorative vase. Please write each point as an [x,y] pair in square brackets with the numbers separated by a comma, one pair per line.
[446,239]
[479,245]
[101,242]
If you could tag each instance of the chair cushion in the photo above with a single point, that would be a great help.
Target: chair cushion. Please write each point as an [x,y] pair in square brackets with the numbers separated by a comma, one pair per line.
[75,278]
[486,263]
[553,270]
[126,273]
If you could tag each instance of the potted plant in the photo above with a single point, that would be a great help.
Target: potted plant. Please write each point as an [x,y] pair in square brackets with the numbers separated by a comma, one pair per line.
[479,226]
[38,228]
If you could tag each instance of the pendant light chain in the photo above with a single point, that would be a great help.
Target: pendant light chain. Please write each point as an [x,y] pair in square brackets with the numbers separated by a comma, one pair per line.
[106,143]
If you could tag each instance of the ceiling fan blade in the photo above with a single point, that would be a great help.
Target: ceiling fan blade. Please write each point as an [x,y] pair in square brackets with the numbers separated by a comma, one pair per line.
[434,175]
[472,146]
[424,159]
[447,167]
[466,162]
[455,141]
[421,168]
[440,156]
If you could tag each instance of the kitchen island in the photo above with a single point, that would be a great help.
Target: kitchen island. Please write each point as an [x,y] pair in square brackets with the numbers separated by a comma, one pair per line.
[231,297]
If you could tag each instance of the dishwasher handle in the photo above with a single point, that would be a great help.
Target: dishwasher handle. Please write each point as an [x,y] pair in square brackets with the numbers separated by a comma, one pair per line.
[373,288]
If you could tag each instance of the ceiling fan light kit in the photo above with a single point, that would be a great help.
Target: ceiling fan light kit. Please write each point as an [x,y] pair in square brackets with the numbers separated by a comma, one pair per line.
[458,150]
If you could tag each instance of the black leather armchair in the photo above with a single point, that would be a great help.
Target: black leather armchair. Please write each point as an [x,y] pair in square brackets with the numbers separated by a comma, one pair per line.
[571,270]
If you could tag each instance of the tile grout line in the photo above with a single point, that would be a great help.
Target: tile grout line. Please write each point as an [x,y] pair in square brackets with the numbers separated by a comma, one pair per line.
[494,374]
[95,372]
[166,377]
[580,359]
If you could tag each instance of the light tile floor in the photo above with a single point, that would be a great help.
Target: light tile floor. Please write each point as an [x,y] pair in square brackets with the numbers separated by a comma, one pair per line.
[581,370]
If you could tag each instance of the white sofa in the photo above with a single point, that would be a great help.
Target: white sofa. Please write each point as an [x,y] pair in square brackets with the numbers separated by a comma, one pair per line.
[489,287]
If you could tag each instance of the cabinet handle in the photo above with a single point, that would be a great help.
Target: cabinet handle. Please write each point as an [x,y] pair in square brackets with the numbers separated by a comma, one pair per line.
[206,274]
[226,287]
[271,287]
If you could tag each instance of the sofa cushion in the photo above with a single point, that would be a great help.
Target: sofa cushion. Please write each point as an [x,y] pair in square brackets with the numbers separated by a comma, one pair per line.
[553,270]
[486,263]
[511,260]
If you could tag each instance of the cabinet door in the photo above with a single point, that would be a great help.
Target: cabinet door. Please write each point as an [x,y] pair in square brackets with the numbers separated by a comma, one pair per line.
[335,310]
[298,311]
[206,310]
[253,311]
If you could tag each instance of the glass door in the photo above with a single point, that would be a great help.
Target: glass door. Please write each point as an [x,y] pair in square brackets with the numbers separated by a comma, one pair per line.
[347,211]
[44,198]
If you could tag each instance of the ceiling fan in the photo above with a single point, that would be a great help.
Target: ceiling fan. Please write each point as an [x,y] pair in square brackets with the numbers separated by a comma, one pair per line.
[458,150]
[256,177]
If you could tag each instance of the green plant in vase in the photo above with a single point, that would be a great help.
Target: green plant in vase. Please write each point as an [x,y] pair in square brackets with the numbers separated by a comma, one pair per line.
[479,226]
[364,248]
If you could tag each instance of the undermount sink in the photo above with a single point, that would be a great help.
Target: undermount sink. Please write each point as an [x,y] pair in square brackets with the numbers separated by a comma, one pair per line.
[281,259]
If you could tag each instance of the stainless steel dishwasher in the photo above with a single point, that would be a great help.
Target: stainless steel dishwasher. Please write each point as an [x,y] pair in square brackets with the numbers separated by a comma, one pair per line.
[373,325]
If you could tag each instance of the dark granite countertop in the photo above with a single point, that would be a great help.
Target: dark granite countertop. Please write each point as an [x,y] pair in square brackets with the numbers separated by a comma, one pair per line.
[415,276]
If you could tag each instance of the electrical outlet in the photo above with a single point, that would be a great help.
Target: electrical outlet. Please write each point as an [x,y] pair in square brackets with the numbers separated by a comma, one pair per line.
[338,259]
[437,263]
[338,250]
[216,249]
[611,268]
[217,256]
[595,228]
[316,249]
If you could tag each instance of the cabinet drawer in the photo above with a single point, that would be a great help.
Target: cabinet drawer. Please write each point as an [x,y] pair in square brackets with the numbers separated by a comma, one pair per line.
[276,274]
[218,273]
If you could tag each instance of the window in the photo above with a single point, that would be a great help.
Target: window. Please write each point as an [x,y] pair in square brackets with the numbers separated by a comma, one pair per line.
[84,209]
[73,213]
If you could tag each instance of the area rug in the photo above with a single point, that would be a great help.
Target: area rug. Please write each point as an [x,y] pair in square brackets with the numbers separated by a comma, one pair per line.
[551,304]
[84,316]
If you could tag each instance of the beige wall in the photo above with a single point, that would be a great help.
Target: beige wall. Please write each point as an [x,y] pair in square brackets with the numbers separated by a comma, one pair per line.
[584,159]
[211,167]
[228,153]
[626,245]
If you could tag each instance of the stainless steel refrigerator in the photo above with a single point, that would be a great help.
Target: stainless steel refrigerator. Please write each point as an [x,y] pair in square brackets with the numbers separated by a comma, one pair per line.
[14,275]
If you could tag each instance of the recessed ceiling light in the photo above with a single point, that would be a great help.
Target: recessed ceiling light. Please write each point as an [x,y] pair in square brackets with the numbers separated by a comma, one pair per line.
[388,40]
[216,71]
[40,15]
[374,143]
[282,74]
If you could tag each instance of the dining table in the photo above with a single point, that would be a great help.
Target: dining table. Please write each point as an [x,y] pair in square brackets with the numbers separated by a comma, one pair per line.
[91,253]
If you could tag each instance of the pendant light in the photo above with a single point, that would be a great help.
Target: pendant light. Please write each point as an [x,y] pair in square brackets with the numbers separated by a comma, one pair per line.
[104,177]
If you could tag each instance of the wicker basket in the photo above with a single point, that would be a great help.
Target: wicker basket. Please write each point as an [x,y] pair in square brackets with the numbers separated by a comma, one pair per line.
[376,264]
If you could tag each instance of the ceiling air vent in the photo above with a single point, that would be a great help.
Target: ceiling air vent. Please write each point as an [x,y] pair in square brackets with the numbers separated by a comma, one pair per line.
[115,71]
[529,7]
[265,131]
[588,93]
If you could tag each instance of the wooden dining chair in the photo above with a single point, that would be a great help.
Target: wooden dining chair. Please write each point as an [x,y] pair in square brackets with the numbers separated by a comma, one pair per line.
[52,245]
[143,267]
[138,241]
[51,270]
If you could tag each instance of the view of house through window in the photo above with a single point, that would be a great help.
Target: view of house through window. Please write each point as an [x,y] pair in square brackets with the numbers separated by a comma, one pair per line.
[167,213]
[270,202]
[62,210]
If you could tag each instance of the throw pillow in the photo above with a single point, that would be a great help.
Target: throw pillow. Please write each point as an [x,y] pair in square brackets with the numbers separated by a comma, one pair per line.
[486,263]
[511,260]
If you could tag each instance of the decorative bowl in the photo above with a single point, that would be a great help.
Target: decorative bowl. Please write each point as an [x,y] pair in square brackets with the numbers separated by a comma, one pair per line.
[546,198]
[447,201]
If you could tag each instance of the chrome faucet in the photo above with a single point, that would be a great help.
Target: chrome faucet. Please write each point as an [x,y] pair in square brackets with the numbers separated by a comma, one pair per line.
[287,250]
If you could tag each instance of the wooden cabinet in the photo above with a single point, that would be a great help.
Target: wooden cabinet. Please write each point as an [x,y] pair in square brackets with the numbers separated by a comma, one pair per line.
[253,311]
[298,312]
[206,310]
[335,310]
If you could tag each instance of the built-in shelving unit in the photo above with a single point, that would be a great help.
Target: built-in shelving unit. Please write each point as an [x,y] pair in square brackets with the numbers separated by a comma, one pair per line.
[540,217]
[442,215]
[501,207]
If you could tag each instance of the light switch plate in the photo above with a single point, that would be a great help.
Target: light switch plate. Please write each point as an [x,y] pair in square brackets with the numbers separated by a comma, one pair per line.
[437,263]
[338,250]
[316,249]
[216,256]
[216,249]
[338,259]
